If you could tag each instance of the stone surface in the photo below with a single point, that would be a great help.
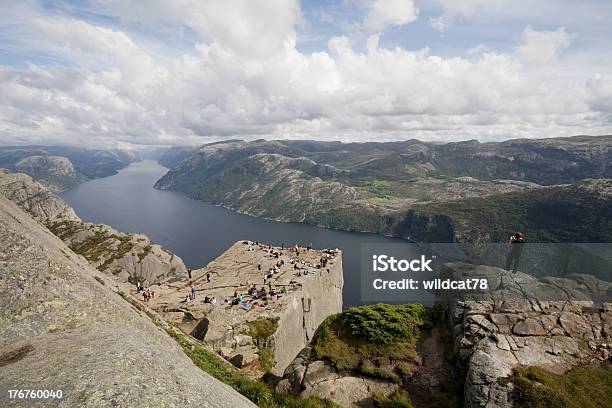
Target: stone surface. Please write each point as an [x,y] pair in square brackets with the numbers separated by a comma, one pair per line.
[65,330]
[523,320]
[350,392]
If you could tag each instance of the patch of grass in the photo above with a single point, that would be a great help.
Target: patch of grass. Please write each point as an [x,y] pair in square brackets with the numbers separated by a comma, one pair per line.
[94,248]
[145,251]
[100,280]
[589,387]
[133,279]
[125,246]
[377,341]
[261,329]
[266,359]
[399,399]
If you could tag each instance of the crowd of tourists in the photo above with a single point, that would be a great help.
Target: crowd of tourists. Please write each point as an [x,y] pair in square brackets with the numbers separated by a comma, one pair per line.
[269,292]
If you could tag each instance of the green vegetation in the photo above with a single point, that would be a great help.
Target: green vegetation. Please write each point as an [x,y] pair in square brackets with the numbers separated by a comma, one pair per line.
[125,246]
[378,340]
[145,251]
[589,387]
[96,247]
[385,324]
[261,329]
[380,188]
[548,215]
[266,359]
[100,280]
[133,279]
[399,399]
[64,229]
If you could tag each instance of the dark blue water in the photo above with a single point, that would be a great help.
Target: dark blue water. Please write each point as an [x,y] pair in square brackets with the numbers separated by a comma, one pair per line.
[199,232]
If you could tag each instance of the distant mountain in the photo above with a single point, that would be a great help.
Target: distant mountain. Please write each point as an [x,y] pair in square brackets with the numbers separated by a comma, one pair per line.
[59,167]
[55,172]
[374,186]
[171,156]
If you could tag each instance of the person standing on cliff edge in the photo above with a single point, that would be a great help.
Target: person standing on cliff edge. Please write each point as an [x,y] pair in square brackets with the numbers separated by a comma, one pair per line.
[516,242]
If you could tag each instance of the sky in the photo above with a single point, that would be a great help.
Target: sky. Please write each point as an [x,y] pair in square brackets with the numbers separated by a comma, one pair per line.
[123,73]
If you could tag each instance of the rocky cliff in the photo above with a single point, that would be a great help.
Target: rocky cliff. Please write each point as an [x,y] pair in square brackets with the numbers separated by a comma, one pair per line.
[263,331]
[60,329]
[130,257]
[32,197]
[552,323]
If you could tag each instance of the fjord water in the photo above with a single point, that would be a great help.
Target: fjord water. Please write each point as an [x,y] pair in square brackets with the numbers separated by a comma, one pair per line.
[199,232]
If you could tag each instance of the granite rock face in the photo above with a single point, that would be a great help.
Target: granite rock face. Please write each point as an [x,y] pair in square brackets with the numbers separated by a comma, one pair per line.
[522,320]
[61,329]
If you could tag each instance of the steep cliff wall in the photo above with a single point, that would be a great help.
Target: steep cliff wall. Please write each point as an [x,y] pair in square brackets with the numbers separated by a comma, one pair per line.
[305,311]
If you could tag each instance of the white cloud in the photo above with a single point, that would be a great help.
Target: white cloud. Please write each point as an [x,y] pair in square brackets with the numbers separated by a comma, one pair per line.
[111,88]
[541,47]
[600,93]
[251,28]
[455,9]
[383,13]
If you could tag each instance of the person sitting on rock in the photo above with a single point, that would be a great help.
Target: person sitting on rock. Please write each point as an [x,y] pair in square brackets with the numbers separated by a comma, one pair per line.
[208,277]
[516,242]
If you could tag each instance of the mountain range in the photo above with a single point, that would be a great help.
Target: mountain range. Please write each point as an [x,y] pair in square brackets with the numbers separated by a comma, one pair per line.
[555,189]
